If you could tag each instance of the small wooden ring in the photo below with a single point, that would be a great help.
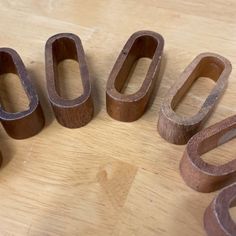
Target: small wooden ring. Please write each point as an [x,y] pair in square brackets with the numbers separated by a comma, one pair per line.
[131,107]
[178,129]
[217,219]
[24,124]
[76,112]
[198,174]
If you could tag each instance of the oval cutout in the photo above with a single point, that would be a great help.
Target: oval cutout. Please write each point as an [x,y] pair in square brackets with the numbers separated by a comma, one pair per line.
[69,79]
[12,100]
[135,78]
[222,154]
[190,104]
[178,129]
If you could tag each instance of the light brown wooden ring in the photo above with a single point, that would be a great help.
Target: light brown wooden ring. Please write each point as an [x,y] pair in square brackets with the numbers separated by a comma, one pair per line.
[131,107]
[217,220]
[178,129]
[24,124]
[197,173]
[76,112]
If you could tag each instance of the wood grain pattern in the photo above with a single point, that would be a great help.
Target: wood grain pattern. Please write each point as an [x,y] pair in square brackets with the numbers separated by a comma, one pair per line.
[197,173]
[130,107]
[178,129]
[27,122]
[110,178]
[71,113]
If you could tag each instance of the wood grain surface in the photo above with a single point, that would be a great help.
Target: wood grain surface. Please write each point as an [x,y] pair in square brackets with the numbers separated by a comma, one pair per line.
[109,177]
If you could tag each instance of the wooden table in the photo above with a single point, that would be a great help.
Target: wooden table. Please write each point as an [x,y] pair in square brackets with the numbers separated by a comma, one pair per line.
[109,177]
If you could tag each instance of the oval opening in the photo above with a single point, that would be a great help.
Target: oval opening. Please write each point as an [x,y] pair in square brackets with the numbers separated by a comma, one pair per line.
[68,76]
[13,98]
[192,101]
[190,98]
[69,79]
[133,72]
[135,78]
[221,151]
[221,154]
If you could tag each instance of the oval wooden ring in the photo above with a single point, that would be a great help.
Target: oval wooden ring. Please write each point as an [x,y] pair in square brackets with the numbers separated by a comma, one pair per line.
[177,129]
[24,124]
[217,220]
[131,107]
[200,175]
[76,112]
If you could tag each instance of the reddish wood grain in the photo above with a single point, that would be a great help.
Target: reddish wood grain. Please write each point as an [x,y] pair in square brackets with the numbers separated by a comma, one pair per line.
[197,173]
[76,112]
[178,129]
[131,107]
[24,124]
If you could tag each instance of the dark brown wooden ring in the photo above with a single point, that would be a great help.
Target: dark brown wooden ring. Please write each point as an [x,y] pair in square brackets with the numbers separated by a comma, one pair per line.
[24,124]
[130,107]
[217,219]
[178,129]
[200,175]
[76,112]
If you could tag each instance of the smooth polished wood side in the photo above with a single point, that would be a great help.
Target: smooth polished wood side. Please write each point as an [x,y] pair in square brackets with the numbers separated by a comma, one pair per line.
[110,178]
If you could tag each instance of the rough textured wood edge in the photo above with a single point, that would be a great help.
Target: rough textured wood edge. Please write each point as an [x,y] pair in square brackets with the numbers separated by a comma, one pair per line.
[24,124]
[77,112]
[131,107]
[217,220]
[177,129]
[200,175]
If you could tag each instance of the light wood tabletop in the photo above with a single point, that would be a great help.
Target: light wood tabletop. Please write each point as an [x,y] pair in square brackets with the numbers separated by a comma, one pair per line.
[109,177]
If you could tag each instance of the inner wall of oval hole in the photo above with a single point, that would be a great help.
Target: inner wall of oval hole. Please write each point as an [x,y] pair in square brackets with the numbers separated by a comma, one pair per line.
[191,102]
[69,79]
[221,154]
[12,94]
[136,76]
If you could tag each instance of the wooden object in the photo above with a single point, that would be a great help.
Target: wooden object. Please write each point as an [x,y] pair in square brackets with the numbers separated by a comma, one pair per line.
[77,112]
[177,129]
[131,107]
[24,124]
[217,219]
[110,178]
[197,173]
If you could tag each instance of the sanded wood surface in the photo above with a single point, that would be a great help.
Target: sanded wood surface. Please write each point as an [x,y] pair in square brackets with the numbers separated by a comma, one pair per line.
[109,177]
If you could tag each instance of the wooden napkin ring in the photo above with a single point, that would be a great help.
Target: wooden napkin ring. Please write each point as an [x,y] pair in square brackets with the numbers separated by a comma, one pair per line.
[217,219]
[131,107]
[24,124]
[76,112]
[200,175]
[177,129]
